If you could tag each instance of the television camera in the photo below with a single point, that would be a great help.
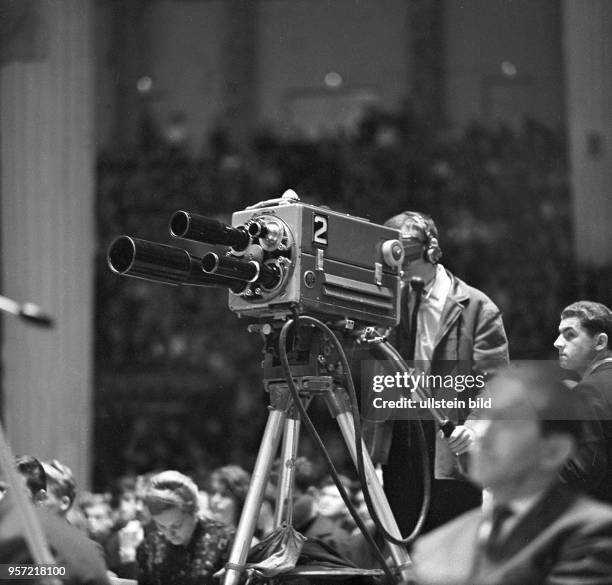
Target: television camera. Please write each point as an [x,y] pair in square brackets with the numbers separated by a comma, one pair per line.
[281,256]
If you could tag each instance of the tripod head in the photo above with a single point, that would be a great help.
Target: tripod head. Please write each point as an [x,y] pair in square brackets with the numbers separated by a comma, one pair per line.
[310,352]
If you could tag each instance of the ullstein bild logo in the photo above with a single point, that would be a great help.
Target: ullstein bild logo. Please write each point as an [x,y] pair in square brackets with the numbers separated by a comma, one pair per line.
[409,403]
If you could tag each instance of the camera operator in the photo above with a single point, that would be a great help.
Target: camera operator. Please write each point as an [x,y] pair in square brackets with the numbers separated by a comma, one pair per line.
[453,329]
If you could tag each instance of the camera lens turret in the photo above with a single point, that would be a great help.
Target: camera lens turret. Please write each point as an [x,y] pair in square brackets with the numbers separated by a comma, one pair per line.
[207,230]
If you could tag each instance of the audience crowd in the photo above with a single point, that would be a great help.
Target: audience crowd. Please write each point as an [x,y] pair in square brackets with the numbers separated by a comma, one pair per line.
[135,519]
[499,195]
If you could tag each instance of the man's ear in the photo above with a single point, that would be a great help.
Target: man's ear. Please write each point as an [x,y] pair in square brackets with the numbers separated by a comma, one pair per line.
[601,342]
[65,503]
[558,448]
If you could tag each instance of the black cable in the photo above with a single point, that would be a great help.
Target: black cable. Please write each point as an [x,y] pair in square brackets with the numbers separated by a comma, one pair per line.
[319,443]
[391,353]
[359,450]
[358,433]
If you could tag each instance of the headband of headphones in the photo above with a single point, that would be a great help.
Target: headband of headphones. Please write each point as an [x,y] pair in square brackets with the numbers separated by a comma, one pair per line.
[432,252]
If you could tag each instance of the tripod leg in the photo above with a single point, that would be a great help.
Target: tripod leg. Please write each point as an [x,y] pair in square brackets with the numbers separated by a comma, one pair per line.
[248,519]
[379,499]
[284,495]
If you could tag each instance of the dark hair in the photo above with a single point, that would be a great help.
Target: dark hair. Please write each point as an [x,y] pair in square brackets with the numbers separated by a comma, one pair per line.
[235,481]
[304,474]
[594,317]
[60,480]
[33,471]
[558,408]
[124,485]
[423,222]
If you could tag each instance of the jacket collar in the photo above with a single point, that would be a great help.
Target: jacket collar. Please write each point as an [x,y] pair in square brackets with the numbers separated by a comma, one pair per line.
[458,292]
[602,363]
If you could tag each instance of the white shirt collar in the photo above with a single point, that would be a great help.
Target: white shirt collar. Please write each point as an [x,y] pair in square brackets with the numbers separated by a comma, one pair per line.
[439,285]
[519,506]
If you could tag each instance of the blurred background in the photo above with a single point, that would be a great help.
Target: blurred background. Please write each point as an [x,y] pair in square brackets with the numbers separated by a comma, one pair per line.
[491,115]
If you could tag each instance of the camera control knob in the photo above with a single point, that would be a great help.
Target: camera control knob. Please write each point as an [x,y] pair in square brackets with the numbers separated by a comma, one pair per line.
[393,253]
[271,235]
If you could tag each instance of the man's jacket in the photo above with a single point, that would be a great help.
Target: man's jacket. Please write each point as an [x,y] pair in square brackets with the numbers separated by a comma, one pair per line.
[565,538]
[471,340]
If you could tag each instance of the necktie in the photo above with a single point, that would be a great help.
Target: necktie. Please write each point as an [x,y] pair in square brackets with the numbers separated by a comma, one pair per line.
[416,284]
[499,515]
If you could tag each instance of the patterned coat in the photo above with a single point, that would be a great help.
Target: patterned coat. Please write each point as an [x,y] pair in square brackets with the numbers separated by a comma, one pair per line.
[163,563]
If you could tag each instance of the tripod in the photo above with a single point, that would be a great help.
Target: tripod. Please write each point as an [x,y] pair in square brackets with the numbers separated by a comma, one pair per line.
[313,370]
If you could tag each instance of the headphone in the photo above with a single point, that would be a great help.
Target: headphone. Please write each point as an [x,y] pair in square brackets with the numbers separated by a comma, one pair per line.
[432,252]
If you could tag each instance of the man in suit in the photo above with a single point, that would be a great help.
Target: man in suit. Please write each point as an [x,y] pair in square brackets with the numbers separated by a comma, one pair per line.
[534,530]
[69,546]
[448,328]
[585,348]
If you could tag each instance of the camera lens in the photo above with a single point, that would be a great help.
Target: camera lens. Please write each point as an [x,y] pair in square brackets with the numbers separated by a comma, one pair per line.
[207,230]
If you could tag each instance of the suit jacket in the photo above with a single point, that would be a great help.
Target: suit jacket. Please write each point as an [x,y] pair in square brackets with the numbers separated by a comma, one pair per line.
[70,547]
[591,469]
[471,340]
[566,539]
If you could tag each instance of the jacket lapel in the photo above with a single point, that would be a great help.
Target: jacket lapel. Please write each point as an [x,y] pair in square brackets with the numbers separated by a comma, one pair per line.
[453,307]
[553,503]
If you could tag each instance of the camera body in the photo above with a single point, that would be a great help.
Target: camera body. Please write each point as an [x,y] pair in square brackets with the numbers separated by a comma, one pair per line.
[280,257]
[328,264]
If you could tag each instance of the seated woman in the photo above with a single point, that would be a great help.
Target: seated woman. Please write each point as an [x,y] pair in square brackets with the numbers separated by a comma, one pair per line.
[185,549]
[227,492]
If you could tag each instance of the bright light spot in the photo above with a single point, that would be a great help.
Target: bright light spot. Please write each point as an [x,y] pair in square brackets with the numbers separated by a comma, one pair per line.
[333,79]
[508,68]
[144,84]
